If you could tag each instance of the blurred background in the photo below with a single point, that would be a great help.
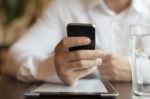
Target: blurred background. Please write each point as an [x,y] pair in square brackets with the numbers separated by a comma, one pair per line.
[16,16]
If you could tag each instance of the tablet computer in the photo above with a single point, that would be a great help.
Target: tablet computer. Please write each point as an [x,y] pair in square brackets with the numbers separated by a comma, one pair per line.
[84,88]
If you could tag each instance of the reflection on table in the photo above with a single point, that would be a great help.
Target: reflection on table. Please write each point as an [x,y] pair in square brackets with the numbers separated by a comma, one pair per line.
[13,89]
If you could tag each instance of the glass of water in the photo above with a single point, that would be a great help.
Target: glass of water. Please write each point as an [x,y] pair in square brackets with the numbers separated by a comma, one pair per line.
[140,61]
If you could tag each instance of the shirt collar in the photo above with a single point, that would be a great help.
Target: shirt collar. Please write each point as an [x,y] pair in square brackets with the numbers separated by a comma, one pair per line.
[98,4]
[93,4]
[140,6]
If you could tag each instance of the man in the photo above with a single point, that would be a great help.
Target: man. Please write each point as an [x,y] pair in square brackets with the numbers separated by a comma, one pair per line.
[42,53]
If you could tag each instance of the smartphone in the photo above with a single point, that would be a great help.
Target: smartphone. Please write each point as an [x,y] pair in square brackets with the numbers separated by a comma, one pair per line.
[80,30]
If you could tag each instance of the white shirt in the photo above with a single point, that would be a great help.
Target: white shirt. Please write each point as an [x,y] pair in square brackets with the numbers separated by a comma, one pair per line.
[31,58]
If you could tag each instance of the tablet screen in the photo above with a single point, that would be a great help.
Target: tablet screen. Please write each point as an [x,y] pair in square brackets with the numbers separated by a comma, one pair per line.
[83,86]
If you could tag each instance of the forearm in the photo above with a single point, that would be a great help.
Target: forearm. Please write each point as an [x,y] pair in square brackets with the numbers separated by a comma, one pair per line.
[29,67]
[47,71]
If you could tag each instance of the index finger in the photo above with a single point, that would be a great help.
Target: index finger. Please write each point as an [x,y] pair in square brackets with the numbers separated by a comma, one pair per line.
[68,42]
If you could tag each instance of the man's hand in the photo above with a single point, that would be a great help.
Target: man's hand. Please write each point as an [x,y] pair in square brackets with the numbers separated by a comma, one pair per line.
[115,68]
[71,66]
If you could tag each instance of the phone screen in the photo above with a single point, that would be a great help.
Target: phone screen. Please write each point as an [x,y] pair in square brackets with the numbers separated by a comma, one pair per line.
[78,29]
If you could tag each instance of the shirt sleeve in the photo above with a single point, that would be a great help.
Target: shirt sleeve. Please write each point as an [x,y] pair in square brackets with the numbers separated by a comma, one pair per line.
[31,58]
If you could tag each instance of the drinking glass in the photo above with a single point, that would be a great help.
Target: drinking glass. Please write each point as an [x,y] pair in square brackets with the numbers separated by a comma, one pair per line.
[140,60]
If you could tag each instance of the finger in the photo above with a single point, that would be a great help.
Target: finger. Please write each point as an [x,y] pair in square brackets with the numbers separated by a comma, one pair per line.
[109,75]
[108,72]
[108,57]
[68,42]
[75,75]
[82,64]
[84,72]
[106,77]
[105,65]
[85,55]
[112,73]
[108,68]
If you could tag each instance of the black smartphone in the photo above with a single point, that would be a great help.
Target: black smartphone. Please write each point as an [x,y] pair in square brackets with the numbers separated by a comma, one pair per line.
[82,29]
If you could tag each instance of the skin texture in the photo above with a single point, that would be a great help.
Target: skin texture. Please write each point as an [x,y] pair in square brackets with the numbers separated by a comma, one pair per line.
[71,66]
[115,68]
[117,5]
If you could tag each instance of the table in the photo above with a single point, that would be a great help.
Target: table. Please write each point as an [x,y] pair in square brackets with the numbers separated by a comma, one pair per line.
[13,89]
[3,51]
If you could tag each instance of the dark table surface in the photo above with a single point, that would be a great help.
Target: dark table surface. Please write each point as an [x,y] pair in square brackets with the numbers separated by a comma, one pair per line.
[12,89]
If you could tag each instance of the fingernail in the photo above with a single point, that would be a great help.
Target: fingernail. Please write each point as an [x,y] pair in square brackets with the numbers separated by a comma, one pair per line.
[87,40]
